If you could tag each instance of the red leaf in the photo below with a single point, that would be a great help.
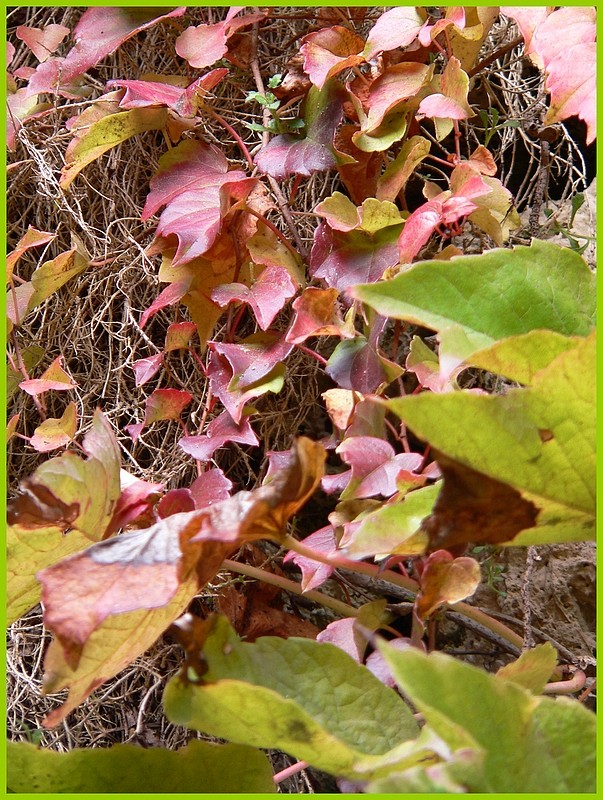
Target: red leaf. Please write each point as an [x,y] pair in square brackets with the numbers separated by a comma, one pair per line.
[202,45]
[54,378]
[136,500]
[175,501]
[252,359]
[165,404]
[99,32]
[329,51]
[267,296]
[212,486]
[146,368]
[220,431]
[171,295]
[315,573]
[287,155]
[179,335]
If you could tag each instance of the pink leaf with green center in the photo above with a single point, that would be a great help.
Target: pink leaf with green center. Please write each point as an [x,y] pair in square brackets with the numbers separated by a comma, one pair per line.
[146,368]
[179,335]
[267,295]
[139,94]
[220,431]
[99,33]
[317,313]
[212,486]
[162,404]
[54,378]
[398,27]
[287,155]
[42,41]
[374,466]
[329,51]
[315,573]
[202,45]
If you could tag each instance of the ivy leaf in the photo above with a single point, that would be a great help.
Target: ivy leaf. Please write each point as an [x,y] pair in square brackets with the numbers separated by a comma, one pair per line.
[533,668]
[108,604]
[69,491]
[278,693]
[32,238]
[194,184]
[536,745]
[212,486]
[203,45]
[317,313]
[179,335]
[126,768]
[287,155]
[183,100]
[99,32]
[54,378]
[446,580]
[538,441]
[398,27]
[393,87]
[267,296]
[329,51]
[105,134]
[53,433]
[169,296]
[356,365]
[220,430]
[497,294]
[146,368]
[315,573]
[176,501]
[162,404]
[42,41]
[374,466]
[398,172]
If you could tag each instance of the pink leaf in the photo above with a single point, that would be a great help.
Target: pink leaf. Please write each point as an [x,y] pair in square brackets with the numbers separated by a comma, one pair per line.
[398,27]
[179,335]
[437,105]
[202,45]
[342,633]
[99,32]
[220,431]
[287,155]
[395,85]
[54,378]
[317,313]
[175,502]
[378,665]
[210,487]
[137,498]
[146,368]
[315,573]
[374,466]
[31,238]
[42,41]
[267,296]
[252,359]
[140,94]
[329,51]
[171,295]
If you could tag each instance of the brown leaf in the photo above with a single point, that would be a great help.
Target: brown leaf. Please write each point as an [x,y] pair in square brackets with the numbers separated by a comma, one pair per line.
[38,507]
[446,579]
[475,508]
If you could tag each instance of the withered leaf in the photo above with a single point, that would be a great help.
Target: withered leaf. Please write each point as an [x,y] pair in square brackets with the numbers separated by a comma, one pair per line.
[472,507]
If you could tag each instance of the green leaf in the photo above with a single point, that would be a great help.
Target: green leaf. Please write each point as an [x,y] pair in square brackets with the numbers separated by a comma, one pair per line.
[307,698]
[200,767]
[27,552]
[539,440]
[108,132]
[493,295]
[531,744]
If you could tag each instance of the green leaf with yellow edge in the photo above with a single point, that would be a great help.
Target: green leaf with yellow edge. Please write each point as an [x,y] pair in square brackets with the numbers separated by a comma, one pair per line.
[539,440]
[530,744]
[200,767]
[395,527]
[307,698]
[51,275]
[533,668]
[27,552]
[108,132]
[493,295]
